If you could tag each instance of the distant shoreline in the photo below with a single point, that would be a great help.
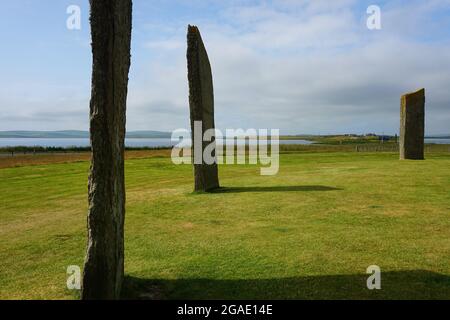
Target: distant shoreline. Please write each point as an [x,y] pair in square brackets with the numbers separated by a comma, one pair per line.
[76,134]
[150,134]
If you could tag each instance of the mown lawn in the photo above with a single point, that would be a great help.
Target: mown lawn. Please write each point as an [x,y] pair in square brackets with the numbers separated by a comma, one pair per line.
[309,232]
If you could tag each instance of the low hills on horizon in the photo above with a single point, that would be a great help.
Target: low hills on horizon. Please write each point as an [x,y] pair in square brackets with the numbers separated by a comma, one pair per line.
[78,134]
[141,134]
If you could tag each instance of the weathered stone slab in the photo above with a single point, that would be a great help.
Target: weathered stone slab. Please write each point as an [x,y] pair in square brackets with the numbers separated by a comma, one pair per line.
[103,271]
[201,103]
[412,125]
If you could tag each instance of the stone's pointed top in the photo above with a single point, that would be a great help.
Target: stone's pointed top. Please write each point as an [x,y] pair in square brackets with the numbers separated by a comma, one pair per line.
[420,91]
[192,29]
[194,37]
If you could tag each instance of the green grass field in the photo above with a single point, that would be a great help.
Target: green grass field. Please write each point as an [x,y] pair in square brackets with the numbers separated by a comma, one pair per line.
[309,232]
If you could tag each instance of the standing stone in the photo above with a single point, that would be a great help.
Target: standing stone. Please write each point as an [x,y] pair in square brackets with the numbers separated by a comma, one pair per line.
[111,38]
[201,103]
[412,125]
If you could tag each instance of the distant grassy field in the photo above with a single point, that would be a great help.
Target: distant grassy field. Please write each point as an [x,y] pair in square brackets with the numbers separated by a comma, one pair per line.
[309,232]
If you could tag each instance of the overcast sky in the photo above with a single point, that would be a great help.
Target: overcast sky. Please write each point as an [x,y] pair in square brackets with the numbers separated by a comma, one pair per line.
[296,65]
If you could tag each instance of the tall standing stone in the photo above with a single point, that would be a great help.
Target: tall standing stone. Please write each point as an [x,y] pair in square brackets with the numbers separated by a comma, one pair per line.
[201,103]
[412,125]
[111,38]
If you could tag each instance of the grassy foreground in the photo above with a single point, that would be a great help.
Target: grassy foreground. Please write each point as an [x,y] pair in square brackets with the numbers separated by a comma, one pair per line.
[309,232]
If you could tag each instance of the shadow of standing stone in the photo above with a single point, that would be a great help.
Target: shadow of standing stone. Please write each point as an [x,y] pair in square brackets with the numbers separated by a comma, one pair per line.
[396,285]
[412,125]
[201,103]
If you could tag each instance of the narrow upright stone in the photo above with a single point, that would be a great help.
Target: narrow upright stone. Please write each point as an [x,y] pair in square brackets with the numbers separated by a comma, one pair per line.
[412,125]
[201,103]
[111,41]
